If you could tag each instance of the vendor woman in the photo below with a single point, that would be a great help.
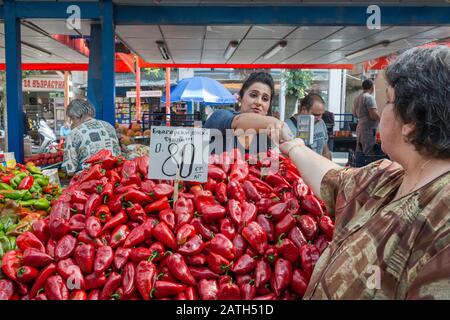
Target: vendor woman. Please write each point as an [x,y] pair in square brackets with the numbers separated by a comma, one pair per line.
[87,137]
[392,236]
[255,101]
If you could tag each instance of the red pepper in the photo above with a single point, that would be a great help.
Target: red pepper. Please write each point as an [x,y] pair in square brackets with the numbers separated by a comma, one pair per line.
[145,274]
[119,236]
[136,236]
[26,274]
[128,279]
[79,196]
[21,289]
[103,259]
[162,233]
[184,211]
[93,227]
[103,214]
[287,249]
[276,180]
[40,296]
[122,189]
[108,191]
[121,257]
[229,291]
[83,237]
[162,190]
[239,171]
[221,192]
[113,177]
[168,217]
[267,226]
[251,191]
[235,191]
[55,288]
[299,282]
[165,275]
[248,291]
[210,185]
[217,263]
[278,211]
[118,219]
[58,228]
[300,189]
[156,252]
[248,213]
[11,262]
[6,289]
[158,205]
[271,254]
[309,254]
[196,260]
[255,236]
[65,247]
[201,229]
[136,196]
[35,258]
[78,295]
[263,273]
[240,245]
[93,202]
[94,294]
[223,246]
[285,225]
[178,268]
[264,204]
[208,290]
[115,203]
[184,233]
[72,273]
[26,183]
[181,296]
[297,237]
[322,243]
[93,173]
[192,247]
[227,228]
[164,289]
[112,284]
[7,179]
[245,264]
[99,156]
[134,179]
[94,281]
[41,230]
[235,211]
[216,173]
[50,247]
[129,168]
[191,293]
[282,276]
[308,225]
[93,186]
[213,212]
[327,226]
[29,240]
[311,205]
[84,256]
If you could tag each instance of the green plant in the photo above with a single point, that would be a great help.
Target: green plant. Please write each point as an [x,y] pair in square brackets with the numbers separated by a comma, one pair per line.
[297,82]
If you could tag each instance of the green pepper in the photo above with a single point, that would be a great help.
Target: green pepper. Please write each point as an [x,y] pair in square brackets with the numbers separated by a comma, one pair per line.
[17,179]
[2,233]
[14,194]
[5,186]
[12,243]
[4,242]
[27,196]
[39,204]
[32,168]
[8,220]
[11,228]
[42,181]
[1,226]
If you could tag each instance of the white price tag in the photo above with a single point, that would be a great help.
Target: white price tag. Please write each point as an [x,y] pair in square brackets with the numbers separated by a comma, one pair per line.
[179,149]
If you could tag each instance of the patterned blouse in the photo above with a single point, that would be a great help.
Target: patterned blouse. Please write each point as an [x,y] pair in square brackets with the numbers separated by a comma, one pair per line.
[86,140]
[384,249]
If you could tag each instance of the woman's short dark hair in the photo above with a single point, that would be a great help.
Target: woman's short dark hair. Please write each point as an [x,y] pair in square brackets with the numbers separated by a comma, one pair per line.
[262,77]
[79,108]
[421,81]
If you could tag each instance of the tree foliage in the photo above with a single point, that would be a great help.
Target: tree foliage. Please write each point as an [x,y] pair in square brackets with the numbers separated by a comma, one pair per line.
[297,82]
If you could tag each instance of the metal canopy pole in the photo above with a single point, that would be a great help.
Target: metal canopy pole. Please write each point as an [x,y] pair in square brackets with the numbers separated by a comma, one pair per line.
[108,61]
[14,80]
[94,88]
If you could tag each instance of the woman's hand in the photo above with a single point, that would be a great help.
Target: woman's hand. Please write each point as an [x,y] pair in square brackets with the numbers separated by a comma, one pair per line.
[289,145]
[279,131]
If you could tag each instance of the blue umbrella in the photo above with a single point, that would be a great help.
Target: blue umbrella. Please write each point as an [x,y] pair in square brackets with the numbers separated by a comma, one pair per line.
[200,89]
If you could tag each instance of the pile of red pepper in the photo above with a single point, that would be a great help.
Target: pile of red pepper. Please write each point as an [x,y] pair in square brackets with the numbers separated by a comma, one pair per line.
[248,233]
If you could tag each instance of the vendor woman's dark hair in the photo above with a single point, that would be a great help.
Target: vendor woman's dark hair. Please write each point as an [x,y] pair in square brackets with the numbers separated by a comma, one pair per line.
[421,81]
[262,77]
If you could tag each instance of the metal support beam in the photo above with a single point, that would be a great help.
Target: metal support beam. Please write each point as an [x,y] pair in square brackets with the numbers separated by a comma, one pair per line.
[57,10]
[108,60]
[14,97]
[326,15]
[95,71]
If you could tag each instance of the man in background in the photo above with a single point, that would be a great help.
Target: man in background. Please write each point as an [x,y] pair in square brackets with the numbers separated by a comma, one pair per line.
[365,109]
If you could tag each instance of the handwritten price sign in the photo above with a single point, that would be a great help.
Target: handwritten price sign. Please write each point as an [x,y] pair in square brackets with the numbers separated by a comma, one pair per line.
[179,153]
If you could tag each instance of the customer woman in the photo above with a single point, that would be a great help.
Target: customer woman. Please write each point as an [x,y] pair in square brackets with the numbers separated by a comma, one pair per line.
[87,137]
[392,237]
[255,101]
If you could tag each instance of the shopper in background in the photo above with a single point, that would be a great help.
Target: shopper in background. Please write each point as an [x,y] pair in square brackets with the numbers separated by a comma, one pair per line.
[88,136]
[65,130]
[365,109]
[313,104]
[392,217]
[328,118]
[255,101]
